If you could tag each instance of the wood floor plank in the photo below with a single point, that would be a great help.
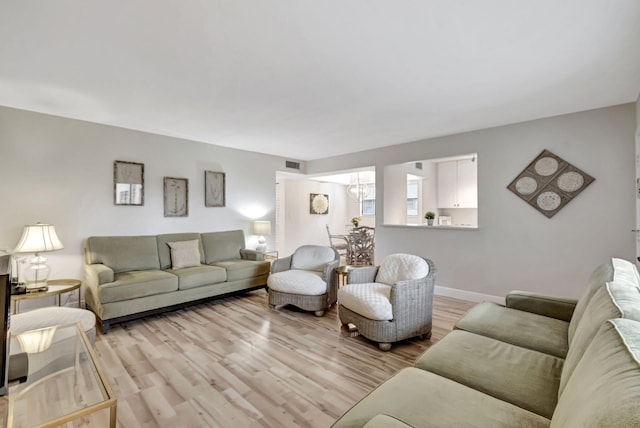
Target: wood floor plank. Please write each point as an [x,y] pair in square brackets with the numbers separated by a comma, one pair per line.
[233,362]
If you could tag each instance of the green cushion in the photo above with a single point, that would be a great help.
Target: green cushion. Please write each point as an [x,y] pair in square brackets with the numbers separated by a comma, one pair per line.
[614,300]
[124,253]
[163,249]
[197,276]
[423,399]
[613,270]
[220,246]
[531,331]
[131,285]
[243,269]
[526,378]
[385,421]
[604,389]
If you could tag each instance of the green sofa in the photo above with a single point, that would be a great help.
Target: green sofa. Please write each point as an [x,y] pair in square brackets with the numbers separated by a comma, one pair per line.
[538,361]
[128,277]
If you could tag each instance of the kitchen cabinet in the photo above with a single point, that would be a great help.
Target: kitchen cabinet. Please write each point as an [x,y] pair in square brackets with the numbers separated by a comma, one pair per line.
[458,184]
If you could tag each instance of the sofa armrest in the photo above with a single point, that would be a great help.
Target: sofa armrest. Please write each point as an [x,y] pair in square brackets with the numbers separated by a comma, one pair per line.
[362,274]
[548,306]
[282,264]
[98,274]
[246,254]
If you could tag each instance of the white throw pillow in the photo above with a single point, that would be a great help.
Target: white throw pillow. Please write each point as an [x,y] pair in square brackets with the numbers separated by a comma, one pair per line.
[184,254]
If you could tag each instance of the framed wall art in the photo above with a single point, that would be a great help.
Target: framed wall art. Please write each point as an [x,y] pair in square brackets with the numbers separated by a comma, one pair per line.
[128,183]
[214,189]
[549,183]
[318,203]
[176,197]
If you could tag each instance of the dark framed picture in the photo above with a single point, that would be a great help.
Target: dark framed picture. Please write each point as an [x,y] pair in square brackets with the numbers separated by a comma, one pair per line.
[176,197]
[318,203]
[214,189]
[128,183]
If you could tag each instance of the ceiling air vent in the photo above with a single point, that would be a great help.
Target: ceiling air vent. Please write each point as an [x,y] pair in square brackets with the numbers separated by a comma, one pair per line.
[292,164]
[418,165]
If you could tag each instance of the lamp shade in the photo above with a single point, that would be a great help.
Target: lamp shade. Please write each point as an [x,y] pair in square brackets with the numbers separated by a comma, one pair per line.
[261,227]
[37,238]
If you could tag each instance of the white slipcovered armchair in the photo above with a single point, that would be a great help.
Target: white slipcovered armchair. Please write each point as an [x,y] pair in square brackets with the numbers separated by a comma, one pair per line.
[390,302]
[305,279]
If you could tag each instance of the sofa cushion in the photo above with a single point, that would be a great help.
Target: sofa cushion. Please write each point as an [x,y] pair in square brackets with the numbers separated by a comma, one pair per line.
[523,377]
[531,331]
[604,390]
[124,253]
[294,281]
[312,257]
[197,276]
[243,269]
[422,399]
[164,251]
[401,267]
[614,300]
[184,253]
[131,285]
[385,421]
[371,300]
[617,270]
[224,245]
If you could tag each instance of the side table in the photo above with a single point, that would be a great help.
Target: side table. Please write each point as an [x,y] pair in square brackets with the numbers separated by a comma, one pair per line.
[343,273]
[55,287]
[270,254]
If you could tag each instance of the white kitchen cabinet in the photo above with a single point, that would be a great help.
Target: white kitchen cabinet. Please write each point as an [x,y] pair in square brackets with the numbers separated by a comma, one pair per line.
[458,184]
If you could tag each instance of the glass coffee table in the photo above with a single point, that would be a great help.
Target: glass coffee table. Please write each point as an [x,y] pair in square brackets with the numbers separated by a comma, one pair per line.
[65,385]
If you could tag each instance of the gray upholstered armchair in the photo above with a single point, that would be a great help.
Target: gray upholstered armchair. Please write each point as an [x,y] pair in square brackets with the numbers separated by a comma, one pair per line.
[390,302]
[306,279]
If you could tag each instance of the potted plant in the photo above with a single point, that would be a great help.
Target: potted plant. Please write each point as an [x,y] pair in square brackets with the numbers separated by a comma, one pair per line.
[429,216]
[355,221]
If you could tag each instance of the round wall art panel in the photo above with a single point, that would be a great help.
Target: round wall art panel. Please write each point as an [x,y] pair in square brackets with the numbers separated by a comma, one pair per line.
[548,201]
[570,181]
[526,185]
[546,166]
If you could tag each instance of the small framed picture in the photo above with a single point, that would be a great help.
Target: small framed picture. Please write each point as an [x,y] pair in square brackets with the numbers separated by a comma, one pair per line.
[176,197]
[214,189]
[128,183]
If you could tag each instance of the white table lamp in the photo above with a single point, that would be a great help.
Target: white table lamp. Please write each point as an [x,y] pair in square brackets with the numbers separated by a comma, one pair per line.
[38,238]
[261,228]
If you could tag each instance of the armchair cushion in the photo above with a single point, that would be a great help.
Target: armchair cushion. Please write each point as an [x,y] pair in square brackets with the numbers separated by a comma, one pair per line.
[297,281]
[401,267]
[312,257]
[371,300]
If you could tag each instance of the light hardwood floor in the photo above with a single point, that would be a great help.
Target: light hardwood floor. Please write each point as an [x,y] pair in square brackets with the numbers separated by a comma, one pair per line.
[234,363]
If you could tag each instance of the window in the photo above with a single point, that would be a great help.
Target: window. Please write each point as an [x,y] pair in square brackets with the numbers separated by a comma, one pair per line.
[413,190]
[368,206]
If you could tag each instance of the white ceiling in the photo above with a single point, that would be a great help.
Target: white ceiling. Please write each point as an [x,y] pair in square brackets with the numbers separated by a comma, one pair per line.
[310,79]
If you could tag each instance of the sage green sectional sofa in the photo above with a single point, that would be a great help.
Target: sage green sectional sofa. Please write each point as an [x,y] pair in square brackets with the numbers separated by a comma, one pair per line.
[538,361]
[128,277]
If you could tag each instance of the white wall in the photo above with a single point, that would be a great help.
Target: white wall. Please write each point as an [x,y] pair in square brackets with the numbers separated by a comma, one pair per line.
[516,247]
[300,227]
[60,171]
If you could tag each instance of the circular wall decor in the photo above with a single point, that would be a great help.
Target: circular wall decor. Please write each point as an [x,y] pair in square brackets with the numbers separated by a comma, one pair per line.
[570,181]
[320,204]
[546,166]
[549,201]
[526,185]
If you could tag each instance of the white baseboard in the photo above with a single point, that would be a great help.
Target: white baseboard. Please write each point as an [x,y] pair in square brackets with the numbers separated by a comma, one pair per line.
[470,296]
